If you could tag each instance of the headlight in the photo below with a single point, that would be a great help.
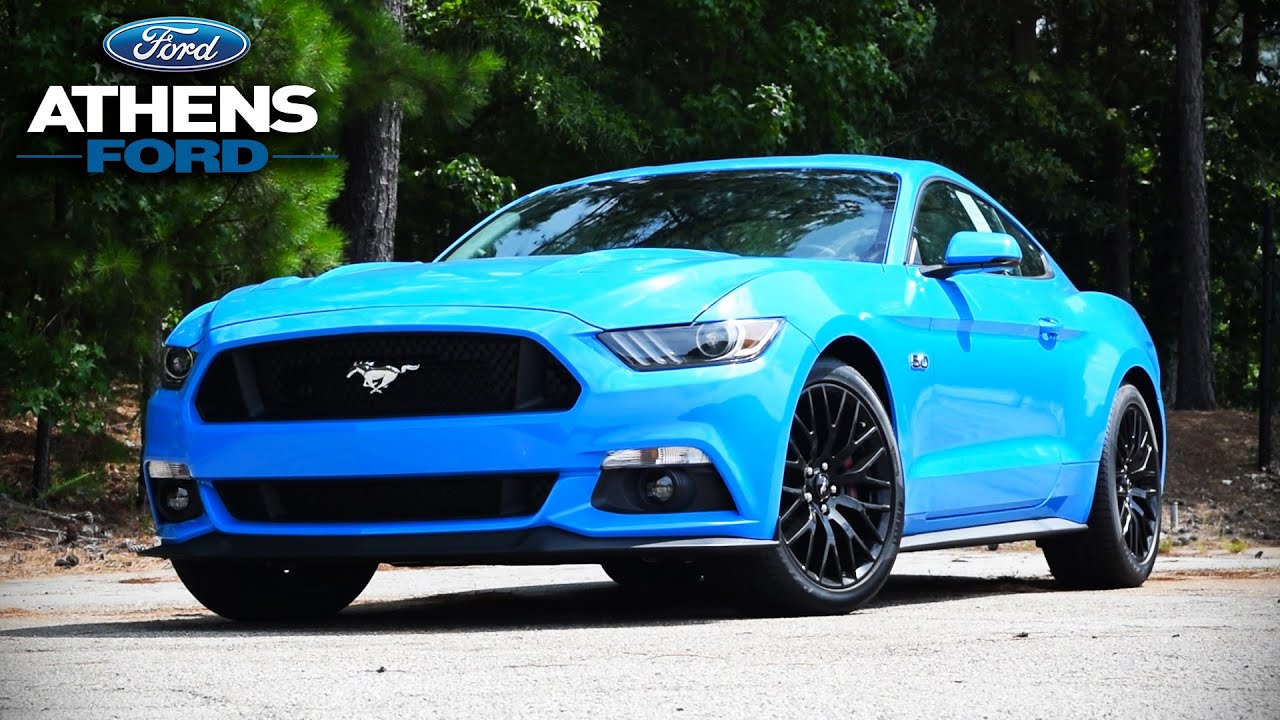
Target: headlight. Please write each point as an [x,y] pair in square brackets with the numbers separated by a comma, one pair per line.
[177,362]
[712,343]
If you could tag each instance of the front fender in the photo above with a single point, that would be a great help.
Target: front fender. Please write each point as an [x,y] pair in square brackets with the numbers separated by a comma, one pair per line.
[1116,343]
[875,314]
[193,327]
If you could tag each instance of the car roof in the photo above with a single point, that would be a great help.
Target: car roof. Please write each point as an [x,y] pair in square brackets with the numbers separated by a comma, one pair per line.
[903,168]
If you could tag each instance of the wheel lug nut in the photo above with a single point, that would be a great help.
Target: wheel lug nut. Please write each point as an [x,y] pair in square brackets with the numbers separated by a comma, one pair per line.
[825,509]
[824,467]
[808,472]
[808,497]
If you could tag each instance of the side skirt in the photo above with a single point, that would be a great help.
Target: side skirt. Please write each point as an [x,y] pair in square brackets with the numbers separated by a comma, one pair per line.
[988,534]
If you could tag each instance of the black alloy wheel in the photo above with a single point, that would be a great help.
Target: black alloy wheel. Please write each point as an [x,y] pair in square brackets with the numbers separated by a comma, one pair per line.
[1119,546]
[837,503]
[1138,483]
[840,512]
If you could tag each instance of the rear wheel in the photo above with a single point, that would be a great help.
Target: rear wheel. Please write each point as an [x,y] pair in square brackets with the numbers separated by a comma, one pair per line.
[840,515]
[255,590]
[1119,548]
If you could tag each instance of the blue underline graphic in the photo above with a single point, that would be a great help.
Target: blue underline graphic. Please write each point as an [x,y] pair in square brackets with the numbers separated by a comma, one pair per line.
[304,157]
[50,157]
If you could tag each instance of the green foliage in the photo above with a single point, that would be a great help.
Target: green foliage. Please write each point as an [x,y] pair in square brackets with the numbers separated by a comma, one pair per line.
[442,88]
[551,54]
[1053,127]
[97,266]
[478,186]
[592,86]
[55,373]
[501,68]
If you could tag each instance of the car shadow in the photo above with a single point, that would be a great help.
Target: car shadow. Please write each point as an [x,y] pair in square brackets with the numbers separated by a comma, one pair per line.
[563,606]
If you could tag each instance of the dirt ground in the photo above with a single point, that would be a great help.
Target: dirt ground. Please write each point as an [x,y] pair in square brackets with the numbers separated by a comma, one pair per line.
[94,488]
[94,522]
[1223,500]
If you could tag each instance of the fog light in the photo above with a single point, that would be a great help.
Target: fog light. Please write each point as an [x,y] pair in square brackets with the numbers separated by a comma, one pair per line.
[177,499]
[660,489]
[684,488]
[173,491]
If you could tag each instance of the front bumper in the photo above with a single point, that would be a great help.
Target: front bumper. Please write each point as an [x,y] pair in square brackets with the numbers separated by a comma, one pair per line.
[535,546]
[738,415]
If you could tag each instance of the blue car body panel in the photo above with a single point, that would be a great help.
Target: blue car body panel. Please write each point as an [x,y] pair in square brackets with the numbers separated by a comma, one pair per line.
[1006,424]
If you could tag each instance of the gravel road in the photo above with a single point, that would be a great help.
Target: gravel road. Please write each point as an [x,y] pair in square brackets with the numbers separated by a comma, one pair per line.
[969,634]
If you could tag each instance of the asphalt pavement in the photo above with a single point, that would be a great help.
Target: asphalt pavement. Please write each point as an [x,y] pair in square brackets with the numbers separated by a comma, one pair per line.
[965,634]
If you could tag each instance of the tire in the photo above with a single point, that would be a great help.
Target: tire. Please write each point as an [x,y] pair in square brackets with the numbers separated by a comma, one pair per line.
[653,575]
[260,591]
[1119,547]
[853,469]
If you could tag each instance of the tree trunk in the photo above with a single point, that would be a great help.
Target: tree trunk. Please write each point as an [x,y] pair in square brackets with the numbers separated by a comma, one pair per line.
[1195,359]
[1250,39]
[1022,38]
[1208,10]
[366,208]
[1164,258]
[40,468]
[1119,242]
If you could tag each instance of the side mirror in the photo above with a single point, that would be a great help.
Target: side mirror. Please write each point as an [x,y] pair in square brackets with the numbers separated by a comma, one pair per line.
[971,250]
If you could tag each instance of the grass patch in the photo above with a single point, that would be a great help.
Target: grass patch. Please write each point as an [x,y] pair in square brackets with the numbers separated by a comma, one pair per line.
[83,486]
[1235,546]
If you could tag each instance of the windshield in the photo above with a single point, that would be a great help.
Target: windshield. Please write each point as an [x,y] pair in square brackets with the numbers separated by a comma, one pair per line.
[840,215]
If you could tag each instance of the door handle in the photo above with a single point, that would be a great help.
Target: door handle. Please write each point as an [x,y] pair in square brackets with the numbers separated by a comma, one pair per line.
[1049,328]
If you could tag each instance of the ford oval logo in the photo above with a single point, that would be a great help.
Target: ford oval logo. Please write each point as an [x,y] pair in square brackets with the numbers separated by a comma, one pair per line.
[176,44]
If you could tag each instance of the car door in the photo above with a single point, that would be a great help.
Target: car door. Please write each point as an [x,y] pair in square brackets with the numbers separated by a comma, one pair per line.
[988,430]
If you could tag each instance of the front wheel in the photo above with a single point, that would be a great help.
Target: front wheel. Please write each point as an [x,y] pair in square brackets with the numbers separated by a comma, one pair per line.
[1119,548]
[646,575]
[841,510]
[262,591]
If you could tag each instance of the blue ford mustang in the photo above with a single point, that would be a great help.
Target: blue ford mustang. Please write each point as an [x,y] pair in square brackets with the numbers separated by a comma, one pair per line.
[767,374]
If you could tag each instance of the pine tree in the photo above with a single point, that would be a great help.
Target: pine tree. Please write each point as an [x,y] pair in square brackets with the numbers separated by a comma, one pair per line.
[97,266]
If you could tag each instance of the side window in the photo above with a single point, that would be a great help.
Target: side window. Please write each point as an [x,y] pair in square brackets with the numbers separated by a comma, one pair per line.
[1032,264]
[989,215]
[945,210]
[1032,259]
[939,215]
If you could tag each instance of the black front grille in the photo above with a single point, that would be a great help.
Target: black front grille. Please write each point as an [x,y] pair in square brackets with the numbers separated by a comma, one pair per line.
[432,374]
[381,499]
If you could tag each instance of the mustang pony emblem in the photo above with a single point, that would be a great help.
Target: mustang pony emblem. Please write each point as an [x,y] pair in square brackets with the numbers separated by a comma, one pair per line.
[378,377]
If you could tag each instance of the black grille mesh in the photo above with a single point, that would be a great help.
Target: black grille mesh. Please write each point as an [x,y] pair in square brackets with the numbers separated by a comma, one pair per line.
[312,379]
[380,499]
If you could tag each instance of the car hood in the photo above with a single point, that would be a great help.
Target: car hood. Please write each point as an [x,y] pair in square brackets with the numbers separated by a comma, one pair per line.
[608,288]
